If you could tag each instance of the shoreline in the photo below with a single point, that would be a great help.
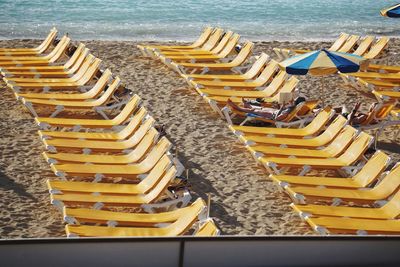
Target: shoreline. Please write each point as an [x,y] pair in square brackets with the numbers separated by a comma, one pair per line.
[244,201]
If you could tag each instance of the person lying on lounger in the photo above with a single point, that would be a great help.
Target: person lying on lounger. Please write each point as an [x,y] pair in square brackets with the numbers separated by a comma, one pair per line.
[276,112]
[355,117]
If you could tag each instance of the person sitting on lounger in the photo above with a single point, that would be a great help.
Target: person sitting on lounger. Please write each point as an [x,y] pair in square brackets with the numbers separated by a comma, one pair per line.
[276,112]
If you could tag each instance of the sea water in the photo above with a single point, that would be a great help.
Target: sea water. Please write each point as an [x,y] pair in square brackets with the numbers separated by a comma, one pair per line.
[183,19]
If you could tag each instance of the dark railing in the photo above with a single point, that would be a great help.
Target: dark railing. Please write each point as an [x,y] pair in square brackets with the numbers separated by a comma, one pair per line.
[203,252]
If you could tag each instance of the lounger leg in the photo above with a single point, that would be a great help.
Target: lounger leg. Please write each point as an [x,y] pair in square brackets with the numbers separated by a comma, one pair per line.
[225,111]
[305,170]
[59,109]
[29,106]
[184,200]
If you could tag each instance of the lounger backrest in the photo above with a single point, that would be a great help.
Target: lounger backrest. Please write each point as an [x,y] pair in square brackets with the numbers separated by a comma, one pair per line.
[155,175]
[100,85]
[244,53]
[230,46]
[257,66]
[339,42]
[78,52]
[289,86]
[203,37]
[78,63]
[90,73]
[269,70]
[48,41]
[159,189]
[308,107]
[350,43]
[222,43]
[59,50]
[84,66]
[213,40]
[207,229]
[320,120]
[140,133]
[109,92]
[186,221]
[127,111]
[133,124]
[342,140]
[357,148]
[144,146]
[389,184]
[332,130]
[276,83]
[364,45]
[372,168]
[377,48]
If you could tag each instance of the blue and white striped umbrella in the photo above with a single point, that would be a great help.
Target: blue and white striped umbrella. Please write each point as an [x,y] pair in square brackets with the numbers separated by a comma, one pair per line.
[391,12]
[322,62]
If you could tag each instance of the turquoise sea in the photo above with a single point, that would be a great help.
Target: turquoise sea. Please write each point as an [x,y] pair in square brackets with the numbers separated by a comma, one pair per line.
[183,19]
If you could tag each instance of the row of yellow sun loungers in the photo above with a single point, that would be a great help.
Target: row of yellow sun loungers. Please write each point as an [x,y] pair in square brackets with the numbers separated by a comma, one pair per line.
[361,197]
[368,47]
[116,174]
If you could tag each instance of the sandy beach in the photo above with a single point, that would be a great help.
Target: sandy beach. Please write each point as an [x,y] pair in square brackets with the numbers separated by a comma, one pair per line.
[244,200]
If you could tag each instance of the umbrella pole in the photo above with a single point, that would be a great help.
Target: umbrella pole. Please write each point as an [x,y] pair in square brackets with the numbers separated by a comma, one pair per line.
[322,92]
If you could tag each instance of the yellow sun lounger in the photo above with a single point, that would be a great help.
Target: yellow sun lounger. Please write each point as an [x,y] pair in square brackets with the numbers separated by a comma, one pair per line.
[208,46]
[377,48]
[281,84]
[138,200]
[60,105]
[333,225]
[79,216]
[202,68]
[46,43]
[148,50]
[185,221]
[207,228]
[264,91]
[80,71]
[333,149]
[155,176]
[388,185]
[64,71]
[138,118]
[75,60]
[76,124]
[146,147]
[387,210]
[260,82]
[228,48]
[52,57]
[345,162]
[213,46]
[349,44]
[369,173]
[321,140]
[386,95]
[81,79]
[311,129]
[364,45]
[59,144]
[252,72]
[284,53]
[94,92]
[87,170]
